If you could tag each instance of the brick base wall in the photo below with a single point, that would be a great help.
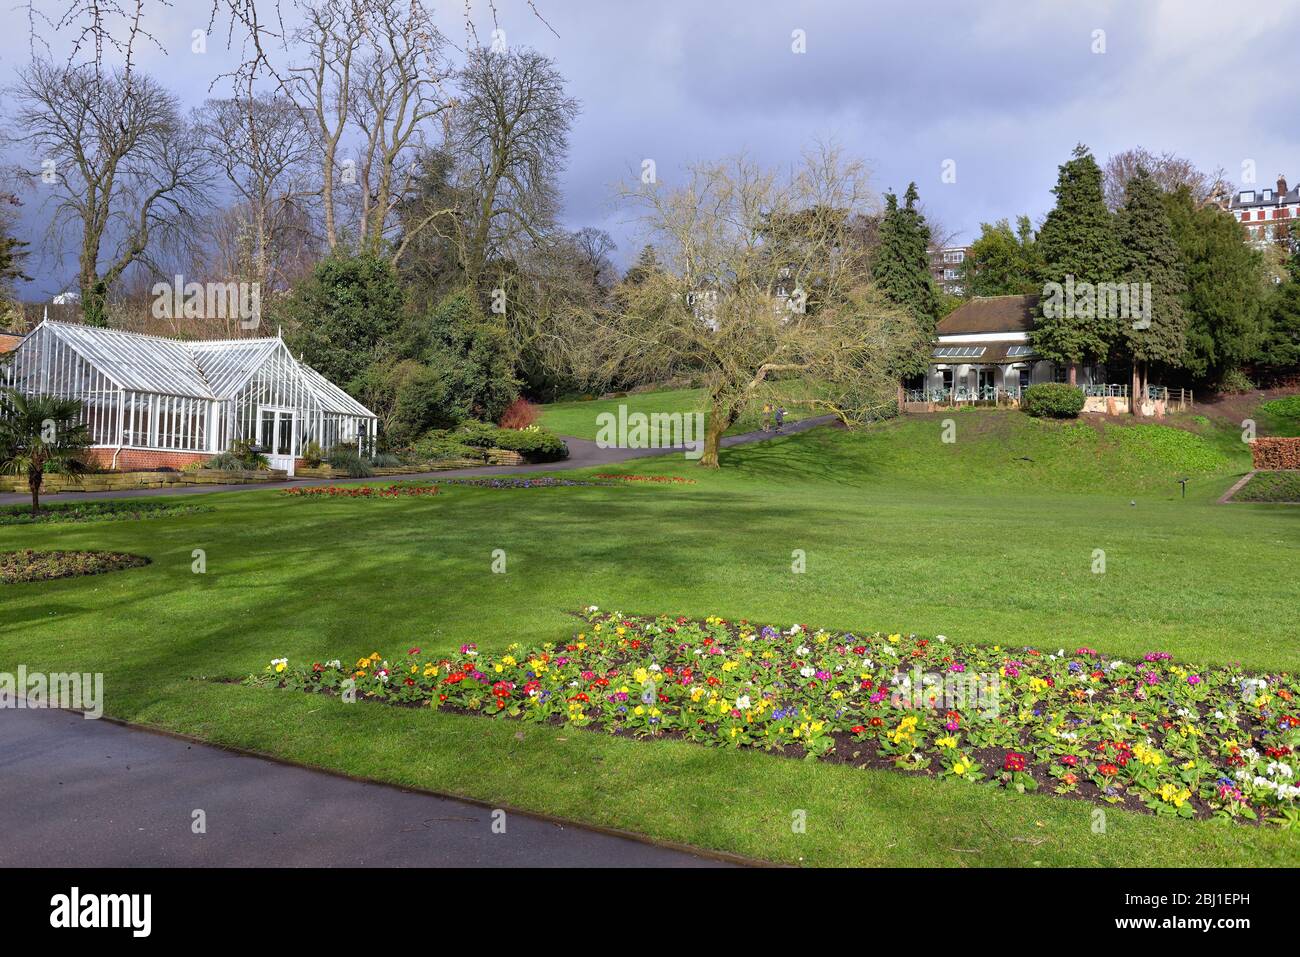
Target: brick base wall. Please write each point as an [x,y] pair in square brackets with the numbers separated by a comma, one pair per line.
[143,460]
[1276,452]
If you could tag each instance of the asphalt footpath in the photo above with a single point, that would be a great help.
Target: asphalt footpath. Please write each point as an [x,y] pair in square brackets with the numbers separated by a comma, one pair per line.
[91,793]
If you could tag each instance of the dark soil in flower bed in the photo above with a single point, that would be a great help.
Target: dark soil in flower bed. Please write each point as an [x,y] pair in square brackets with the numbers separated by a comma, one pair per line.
[111,511]
[1152,735]
[32,566]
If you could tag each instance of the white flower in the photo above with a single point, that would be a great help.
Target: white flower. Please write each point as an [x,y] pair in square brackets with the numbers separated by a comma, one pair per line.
[940,638]
[803,651]
[807,672]
[654,668]
[795,629]
[742,703]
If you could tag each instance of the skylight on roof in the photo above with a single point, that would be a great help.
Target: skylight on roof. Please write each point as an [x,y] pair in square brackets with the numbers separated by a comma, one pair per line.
[959,352]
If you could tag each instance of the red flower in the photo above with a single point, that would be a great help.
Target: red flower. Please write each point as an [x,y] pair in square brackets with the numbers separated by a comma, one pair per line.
[857,729]
[1013,762]
[1108,770]
[875,722]
[1070,760]
[410,682]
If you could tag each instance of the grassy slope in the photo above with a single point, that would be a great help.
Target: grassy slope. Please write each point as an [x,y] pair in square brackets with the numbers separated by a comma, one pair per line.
[578,418]
[901,532]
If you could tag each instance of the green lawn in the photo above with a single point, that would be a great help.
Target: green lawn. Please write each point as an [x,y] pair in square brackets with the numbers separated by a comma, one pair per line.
[578,418]
[990,538]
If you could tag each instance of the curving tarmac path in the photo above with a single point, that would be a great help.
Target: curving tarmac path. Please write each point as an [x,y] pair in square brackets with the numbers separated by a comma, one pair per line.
[583,453]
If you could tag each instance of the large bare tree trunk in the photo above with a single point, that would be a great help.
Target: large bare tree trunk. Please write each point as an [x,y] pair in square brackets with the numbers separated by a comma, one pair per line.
[721,417]
[1074,374]
[1135,388]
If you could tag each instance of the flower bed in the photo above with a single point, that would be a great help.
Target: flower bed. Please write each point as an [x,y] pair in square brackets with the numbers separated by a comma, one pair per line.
[664,479]
[111,511]
[32,566]
[1173,739]
[397,490]
[543,482]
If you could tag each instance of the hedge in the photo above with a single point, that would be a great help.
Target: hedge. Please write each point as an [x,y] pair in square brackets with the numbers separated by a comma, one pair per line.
[1054,400]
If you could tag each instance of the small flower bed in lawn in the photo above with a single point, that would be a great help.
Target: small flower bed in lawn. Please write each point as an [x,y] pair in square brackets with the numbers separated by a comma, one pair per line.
[1152,734]
[664,479]
[397,490]
[116,510]
[544,482]
[32,566]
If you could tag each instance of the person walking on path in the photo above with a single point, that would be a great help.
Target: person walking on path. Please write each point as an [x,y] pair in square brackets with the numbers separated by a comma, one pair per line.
[767,416]
[780,417]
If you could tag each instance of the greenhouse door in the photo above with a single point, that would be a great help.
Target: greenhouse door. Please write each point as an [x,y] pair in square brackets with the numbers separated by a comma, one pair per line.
[277,437]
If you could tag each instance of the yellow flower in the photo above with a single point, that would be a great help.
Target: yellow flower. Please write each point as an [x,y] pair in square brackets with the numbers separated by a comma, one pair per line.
[946,742]
[960,767]
[1171,794]
[498,669]
[1148,756]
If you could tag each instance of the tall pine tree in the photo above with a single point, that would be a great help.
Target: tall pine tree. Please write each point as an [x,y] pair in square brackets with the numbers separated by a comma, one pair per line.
[1151,256]
[1227,288]
[1078,240]
[901,268]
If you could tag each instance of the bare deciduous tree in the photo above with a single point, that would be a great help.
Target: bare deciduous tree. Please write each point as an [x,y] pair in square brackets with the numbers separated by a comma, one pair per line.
[128,171]
[1167,169]
[264,154]
[510,138]
[761,288]
[398,92]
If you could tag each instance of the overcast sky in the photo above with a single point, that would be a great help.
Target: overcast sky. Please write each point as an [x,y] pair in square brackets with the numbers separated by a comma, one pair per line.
[1003,89]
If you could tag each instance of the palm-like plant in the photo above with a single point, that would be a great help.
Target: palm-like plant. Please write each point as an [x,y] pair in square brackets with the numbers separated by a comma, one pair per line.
[40,433]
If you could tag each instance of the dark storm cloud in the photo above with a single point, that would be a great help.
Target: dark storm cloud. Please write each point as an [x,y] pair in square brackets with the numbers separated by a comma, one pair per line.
[1005,89]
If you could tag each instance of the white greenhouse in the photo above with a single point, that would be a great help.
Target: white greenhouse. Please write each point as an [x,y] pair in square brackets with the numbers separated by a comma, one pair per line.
[150,401]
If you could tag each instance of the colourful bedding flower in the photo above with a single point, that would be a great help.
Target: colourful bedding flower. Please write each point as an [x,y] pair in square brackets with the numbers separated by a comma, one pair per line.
[1088,726]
